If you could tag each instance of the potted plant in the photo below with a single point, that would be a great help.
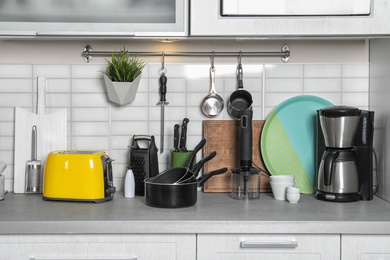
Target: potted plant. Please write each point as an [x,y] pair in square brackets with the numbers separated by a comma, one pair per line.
[122,77]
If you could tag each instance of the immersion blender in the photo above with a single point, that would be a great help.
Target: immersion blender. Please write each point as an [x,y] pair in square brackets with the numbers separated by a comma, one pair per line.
[245,179]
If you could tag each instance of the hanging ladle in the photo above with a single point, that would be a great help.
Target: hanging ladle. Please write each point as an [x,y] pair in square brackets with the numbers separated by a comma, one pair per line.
[213,103]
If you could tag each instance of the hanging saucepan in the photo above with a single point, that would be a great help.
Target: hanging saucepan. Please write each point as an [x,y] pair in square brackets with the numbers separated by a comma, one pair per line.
[175,174]
[239,99]
[163,195]
[213,103]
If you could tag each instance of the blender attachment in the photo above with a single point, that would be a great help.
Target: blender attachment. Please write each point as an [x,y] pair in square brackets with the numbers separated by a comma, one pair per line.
[33,168]
[245,184]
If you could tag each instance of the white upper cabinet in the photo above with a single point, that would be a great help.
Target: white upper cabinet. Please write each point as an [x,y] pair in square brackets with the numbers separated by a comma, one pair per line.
[295,7]
[99,18]
[290,18]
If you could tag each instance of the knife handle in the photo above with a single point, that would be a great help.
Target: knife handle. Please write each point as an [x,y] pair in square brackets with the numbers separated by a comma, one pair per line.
[176,137]
[183,139]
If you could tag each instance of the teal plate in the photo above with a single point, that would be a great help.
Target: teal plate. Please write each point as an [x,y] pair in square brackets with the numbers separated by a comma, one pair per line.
[288,140]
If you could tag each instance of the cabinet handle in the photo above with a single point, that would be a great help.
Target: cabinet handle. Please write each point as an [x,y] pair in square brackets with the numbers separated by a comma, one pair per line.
[85,33]
[32,258]
[269,244]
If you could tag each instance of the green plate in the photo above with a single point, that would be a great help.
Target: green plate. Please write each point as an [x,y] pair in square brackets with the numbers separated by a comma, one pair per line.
[288,140]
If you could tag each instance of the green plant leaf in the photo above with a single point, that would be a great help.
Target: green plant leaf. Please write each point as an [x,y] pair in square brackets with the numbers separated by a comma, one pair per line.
[123,68]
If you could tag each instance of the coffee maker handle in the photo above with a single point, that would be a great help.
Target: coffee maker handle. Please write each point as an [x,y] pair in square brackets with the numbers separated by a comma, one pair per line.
[328,166]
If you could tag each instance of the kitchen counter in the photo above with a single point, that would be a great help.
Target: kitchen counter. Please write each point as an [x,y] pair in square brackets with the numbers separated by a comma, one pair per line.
[213,213]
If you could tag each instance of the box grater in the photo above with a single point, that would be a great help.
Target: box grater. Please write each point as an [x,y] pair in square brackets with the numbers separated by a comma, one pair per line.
[144,160]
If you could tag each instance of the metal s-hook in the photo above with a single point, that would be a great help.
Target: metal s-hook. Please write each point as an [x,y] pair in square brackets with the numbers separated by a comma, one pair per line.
[162,70]
[212,59]
[240,83]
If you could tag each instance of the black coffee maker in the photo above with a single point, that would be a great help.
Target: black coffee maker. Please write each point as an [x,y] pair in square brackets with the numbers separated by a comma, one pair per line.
[344,154]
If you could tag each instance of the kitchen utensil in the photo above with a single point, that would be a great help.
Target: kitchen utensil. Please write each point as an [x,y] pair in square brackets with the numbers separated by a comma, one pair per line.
[287,140]
[213,103]
[3,165]
[176,138]
[165,195]
[221,137]
[144,161]
[78,176]
[33,167]
[52,134]
[183,137]
[245,184]
[162,103]
[240,99]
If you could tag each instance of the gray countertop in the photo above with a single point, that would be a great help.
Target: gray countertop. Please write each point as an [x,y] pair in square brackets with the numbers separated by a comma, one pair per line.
[213,213]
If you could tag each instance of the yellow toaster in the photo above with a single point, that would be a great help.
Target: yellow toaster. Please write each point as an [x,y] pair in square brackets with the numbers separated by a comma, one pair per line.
[73,175]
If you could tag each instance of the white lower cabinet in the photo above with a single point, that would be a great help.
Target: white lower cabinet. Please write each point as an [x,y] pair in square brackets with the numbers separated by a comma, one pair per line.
[365,247]
[268,247]
[97,247]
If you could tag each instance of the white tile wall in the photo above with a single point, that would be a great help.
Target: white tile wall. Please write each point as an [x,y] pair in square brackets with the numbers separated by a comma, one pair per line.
[95,123]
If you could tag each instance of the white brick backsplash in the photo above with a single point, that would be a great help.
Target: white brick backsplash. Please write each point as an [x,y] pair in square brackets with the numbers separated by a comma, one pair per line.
[129,113]
[86,71]
[129,128]
[89,100]
[16,71]
[15,85]
[7,114]
[16,100]
[355,85]
[89,114]
[284,71]
[322,85]
[56,85]
[356,70]
[322,70]
[284,85]
[88,85]
[90,142]
[51,71]
[97,124]
[7,128]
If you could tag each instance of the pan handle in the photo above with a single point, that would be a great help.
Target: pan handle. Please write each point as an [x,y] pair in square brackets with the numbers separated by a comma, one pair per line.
[196,149]
[202,162]
[205,177]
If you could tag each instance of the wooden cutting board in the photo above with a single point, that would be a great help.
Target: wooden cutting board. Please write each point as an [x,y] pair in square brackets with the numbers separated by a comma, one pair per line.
[222,137]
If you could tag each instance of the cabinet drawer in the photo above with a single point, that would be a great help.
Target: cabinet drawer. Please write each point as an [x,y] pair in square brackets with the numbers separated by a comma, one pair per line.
[268,247]
[365,247]
[69,247]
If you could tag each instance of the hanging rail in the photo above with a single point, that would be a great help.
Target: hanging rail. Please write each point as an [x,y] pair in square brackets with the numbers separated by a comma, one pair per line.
[284,54]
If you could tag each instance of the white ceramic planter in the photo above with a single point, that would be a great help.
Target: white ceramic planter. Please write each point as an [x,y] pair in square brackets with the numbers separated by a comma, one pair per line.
[122,92]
